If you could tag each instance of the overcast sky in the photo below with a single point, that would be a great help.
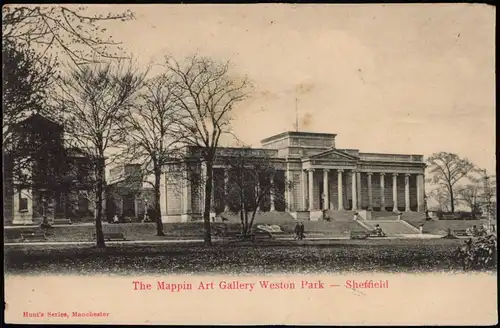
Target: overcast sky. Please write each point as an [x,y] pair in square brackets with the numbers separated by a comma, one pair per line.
[386,78]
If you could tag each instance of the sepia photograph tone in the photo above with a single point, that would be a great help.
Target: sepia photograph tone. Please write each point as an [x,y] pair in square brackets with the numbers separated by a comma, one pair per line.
[256,164]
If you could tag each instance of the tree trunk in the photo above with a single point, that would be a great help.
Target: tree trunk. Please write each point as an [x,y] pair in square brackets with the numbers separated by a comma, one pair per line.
[242,214]
[246,233]
[208,203]
[99,200]
[159,223]
[252,219]
[242,219]
[452,199]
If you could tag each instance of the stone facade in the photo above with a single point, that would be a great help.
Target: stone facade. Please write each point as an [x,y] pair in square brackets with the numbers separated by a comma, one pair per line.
[322,177]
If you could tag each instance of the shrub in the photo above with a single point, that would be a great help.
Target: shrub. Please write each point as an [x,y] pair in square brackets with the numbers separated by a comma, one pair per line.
[479,254]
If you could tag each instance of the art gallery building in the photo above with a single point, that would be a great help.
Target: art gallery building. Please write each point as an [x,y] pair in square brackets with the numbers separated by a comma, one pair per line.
[322,176]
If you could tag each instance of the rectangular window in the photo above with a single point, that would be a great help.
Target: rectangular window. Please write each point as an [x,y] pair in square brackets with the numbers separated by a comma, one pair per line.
[23,204]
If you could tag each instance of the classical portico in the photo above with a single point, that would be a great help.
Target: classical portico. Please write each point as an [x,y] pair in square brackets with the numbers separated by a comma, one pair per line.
[323,177]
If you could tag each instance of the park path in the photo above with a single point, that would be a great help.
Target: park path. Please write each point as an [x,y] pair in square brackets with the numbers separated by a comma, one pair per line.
[183,241]
[148,242]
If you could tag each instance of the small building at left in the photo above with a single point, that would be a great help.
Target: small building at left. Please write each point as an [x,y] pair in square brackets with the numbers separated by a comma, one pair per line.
[43,176]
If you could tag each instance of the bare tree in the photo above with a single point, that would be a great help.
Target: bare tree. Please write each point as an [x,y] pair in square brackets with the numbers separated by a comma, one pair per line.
[488,197]
[441,197]
[447,169]
[150,137]
[206,95]
[470,194]
[96,100]
[25,85]
[69,29]
[253,184]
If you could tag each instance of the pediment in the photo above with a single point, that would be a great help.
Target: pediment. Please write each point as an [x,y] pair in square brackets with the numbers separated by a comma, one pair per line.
[334,155]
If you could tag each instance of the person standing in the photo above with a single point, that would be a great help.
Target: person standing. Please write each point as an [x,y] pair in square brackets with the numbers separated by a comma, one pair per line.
[302,230]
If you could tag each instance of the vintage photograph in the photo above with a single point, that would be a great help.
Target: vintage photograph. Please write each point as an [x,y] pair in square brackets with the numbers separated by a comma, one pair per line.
[248,140]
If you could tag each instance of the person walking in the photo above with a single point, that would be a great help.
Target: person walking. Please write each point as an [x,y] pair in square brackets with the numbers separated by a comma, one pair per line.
[297,231]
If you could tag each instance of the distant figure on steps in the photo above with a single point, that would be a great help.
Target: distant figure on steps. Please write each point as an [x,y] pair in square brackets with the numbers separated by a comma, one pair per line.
[378,231]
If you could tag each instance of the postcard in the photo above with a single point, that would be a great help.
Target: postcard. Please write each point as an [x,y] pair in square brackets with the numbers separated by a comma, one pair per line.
[256,164]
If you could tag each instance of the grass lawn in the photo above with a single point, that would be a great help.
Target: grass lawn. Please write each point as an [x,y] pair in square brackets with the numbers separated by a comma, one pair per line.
[237,258]
[188,230]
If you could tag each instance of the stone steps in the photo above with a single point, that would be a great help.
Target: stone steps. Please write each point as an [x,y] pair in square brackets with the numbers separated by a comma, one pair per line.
[340,215]
[412,216]
[392,227]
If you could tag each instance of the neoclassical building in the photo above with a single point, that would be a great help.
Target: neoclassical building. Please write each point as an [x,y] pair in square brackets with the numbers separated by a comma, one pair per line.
[322,176]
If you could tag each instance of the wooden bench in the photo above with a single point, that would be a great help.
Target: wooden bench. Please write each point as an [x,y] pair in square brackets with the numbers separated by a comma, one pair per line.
[359,234]
[33,236]
[461,232]
[111,236]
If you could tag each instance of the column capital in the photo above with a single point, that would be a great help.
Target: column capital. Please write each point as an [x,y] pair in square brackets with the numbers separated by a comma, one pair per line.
[382,173]
[326,170]
[340,170]
[407,174]
[310,170]
[395,174]
[369,173]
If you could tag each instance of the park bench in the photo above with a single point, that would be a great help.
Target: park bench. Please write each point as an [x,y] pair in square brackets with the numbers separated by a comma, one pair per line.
[461,232]
[111,236]
[257,234]
[33,236]
[359,234]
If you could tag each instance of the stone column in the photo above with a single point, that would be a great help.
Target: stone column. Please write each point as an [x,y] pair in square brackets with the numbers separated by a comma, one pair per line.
[288,191]
[163,196]
[339,188]
[201,187]
[395,192]
[226,189]
[187,193]
[271,192]
[370,198]
[311,188]
[136,207]
[358,188]
[420,193]
[304,189]
[407,193]
[326,191]
[354,192]
[382,191]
